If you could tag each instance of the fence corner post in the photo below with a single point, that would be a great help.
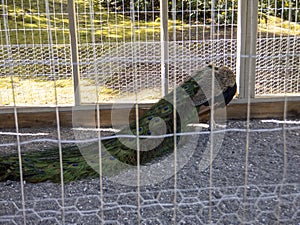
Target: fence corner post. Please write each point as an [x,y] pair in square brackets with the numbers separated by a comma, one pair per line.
[74,51]
[164,39]
[246,47]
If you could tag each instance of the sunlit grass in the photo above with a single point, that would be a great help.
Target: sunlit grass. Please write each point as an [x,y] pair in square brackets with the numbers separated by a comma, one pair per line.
[37,92]
[276,26]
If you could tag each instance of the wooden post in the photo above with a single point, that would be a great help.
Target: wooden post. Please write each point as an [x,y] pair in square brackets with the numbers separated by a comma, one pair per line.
[74,51]
[246,47]
[164,39]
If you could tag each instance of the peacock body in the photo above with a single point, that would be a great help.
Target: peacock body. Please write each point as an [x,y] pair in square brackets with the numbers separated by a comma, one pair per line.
[119,154]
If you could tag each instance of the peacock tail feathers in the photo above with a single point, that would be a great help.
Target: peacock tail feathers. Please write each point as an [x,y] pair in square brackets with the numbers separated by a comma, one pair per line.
[119,154]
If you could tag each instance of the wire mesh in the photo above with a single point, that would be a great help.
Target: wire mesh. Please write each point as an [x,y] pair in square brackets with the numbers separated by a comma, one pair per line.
[113,55]
[33,66]
[117,204]
[192,207]
[278,49]
[119,50]
[112,29]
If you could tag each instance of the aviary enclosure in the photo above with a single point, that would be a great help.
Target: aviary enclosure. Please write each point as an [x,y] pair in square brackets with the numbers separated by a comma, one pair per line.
[80,73]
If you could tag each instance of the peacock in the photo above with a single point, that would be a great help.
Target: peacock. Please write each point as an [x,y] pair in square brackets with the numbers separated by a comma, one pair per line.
[118,154]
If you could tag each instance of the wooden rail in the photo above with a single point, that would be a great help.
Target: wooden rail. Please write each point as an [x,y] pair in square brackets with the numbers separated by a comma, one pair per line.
[35,117]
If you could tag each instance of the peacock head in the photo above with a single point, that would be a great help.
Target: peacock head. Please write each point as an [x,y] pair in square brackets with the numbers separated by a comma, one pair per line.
[225,76]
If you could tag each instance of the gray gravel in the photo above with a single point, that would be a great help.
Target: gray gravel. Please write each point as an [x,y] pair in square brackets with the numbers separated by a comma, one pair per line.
[269,194]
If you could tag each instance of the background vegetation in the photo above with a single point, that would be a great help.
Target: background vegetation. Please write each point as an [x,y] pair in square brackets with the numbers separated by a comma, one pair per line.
[199,10]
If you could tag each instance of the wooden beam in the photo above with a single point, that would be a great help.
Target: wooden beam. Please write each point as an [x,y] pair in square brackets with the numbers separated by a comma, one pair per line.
[45,117]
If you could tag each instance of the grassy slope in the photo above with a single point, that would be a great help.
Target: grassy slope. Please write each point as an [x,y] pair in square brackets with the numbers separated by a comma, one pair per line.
[29,24]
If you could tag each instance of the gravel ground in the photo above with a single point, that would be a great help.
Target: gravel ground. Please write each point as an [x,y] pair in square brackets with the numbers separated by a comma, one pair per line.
[269,194]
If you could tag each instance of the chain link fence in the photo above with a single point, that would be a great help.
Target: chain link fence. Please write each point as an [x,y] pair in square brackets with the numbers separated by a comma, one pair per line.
[156,207]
